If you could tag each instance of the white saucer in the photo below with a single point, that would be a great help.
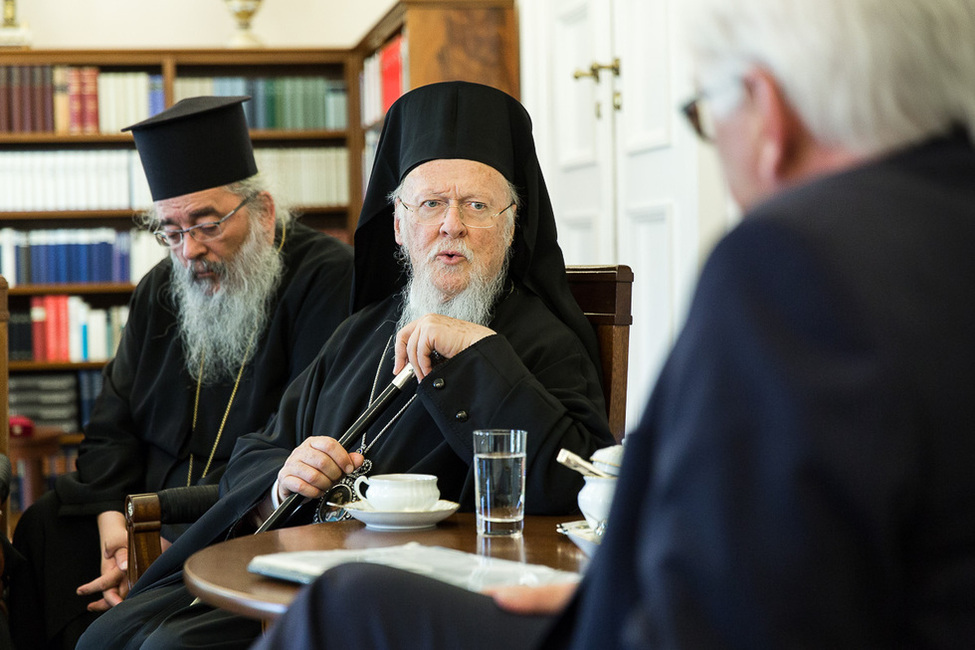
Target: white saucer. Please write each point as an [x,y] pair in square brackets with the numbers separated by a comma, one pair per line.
[581,535]
[410,520]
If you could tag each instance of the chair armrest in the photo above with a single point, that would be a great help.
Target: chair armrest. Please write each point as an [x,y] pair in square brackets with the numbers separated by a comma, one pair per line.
[146,513]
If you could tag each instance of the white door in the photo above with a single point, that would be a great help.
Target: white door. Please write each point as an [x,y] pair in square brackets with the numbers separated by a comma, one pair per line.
[629,181]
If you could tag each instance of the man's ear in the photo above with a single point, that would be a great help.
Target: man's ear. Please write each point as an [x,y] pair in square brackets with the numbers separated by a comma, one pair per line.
[270,213]
[781,132]
[396,232]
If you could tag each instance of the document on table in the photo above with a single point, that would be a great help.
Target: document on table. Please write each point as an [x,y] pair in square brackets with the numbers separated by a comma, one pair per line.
[465,570]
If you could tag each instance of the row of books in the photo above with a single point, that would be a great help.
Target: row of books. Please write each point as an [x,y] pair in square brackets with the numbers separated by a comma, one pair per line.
[60,256]
[124,98]
[312,176]
[61,462]
[278,102]
[65,328]
[72,180]
[75,99]
[114,180]
[384,77]
[60,400]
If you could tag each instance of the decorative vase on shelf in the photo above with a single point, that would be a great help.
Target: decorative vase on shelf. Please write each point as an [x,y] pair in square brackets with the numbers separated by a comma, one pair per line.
[12,34]
[243,11]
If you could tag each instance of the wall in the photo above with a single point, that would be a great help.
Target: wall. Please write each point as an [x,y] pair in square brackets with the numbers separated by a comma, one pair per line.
[113,24]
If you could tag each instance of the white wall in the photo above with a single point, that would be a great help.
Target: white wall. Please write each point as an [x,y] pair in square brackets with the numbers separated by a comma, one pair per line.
[111,24]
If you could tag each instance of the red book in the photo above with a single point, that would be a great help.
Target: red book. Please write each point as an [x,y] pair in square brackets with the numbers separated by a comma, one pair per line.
[391,71]
[89,99]
[75,123]
[38,324]
[64,325]
[50,328]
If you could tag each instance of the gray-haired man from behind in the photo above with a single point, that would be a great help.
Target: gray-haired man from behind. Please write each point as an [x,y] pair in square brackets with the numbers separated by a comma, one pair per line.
[803,475]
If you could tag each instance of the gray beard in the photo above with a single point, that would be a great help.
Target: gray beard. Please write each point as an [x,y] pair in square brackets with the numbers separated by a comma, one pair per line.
[475,304]
[218,328]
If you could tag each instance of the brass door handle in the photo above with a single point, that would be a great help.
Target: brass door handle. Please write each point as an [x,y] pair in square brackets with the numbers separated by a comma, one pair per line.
[594,69]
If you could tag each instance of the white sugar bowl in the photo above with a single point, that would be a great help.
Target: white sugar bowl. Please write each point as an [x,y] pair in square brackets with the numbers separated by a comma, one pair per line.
[608,459]
[595,498]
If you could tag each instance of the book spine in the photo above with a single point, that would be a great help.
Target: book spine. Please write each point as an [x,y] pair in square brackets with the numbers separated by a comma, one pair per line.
[37,98]
[89,99]
[75,108]
[27,97]
[38,318]
[16,99]
[4,99]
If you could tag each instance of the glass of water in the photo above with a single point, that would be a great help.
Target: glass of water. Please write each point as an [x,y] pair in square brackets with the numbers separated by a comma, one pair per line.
[499,481]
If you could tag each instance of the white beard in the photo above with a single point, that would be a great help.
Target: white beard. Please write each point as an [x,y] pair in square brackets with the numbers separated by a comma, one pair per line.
[218,328]
[475,304]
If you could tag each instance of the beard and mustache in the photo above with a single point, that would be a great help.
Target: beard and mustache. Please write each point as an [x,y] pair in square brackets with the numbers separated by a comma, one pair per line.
[475,303]
[217,326]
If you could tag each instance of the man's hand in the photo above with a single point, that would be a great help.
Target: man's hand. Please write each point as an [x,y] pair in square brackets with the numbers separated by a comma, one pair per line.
[112,583]
[417,342]
[314,466]
[547,599]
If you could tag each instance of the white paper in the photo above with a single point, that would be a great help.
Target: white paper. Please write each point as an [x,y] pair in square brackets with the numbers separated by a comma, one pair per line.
[466,570]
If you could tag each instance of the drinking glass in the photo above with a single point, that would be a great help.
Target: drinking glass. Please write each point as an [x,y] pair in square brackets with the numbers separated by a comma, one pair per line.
[499,481]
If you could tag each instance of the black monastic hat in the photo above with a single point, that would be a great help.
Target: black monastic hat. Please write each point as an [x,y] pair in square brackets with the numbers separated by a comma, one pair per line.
[196,144]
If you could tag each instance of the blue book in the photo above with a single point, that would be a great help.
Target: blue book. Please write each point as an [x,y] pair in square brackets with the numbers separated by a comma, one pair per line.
[157,101]
[59,253]
[84,256]
[259,100]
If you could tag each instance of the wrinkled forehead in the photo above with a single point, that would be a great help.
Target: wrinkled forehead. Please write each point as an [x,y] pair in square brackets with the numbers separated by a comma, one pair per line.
[457,177]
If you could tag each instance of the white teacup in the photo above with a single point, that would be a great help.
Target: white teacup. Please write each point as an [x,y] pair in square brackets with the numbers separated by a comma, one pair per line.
[398,492]
[595,498]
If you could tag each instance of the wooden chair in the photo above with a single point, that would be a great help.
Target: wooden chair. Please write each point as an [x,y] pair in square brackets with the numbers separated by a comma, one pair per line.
[603,294]
[4,415]
[5,469]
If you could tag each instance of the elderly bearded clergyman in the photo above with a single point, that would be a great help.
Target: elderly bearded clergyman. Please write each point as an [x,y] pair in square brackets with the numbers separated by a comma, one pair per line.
[215,334]
[472,213]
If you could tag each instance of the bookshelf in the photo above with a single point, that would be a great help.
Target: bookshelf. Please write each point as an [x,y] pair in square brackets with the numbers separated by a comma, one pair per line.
[438,40]
[419,42]
[64,170]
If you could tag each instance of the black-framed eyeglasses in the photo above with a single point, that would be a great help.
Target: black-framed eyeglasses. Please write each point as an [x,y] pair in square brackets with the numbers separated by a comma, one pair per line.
[473,214]
[201,232]
[699,115]
[699,110]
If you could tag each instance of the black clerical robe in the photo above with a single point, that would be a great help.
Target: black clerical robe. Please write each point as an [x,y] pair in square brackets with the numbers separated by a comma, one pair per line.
[534,374]
[139,437]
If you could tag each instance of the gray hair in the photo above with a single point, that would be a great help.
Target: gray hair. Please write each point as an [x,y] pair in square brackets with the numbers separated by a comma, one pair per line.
[284,214]
[866,75]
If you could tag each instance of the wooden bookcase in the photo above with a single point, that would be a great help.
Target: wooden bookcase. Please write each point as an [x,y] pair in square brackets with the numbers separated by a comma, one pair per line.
[173,66]
[443,40]
[472,40]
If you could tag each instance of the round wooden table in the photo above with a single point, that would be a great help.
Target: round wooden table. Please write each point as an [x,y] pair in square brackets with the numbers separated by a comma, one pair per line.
[218,574]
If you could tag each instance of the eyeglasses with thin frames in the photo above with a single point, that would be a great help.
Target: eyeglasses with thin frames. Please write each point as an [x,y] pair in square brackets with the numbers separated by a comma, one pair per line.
[473,214]
[201,232]
[700,113]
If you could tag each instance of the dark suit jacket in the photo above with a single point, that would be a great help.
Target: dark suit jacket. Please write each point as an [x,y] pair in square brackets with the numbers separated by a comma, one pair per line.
[804,475]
